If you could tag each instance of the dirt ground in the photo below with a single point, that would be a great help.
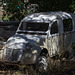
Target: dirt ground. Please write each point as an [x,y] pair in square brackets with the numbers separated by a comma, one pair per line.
[22,73]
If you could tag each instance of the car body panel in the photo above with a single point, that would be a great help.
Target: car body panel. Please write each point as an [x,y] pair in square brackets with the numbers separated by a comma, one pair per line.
[39,40]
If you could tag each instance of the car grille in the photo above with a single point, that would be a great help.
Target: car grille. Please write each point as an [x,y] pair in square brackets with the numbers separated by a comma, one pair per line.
[11,55]
[15,55]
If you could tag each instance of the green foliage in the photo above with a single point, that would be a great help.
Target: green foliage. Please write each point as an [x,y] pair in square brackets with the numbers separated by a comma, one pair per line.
[15,8]
[19,9]
[73,6]
[55,5]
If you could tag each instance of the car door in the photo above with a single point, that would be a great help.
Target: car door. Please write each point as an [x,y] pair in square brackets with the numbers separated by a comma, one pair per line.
[53,39]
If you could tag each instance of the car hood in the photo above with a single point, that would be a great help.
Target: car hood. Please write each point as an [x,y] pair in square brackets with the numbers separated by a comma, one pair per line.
[19,41]
[16,42]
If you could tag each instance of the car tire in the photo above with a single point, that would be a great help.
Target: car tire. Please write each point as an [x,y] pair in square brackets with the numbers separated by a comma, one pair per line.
[42,64]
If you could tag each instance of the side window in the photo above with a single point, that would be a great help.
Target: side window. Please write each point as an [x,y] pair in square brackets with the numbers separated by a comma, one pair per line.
[54,28]
[67,25]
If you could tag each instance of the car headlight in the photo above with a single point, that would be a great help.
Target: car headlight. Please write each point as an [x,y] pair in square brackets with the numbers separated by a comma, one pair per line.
[28,46]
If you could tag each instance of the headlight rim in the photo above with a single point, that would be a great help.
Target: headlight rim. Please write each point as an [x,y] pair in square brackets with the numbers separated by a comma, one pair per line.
[28,46]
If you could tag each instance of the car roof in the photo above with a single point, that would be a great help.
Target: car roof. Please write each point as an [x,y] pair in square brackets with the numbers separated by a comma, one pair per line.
[46,16]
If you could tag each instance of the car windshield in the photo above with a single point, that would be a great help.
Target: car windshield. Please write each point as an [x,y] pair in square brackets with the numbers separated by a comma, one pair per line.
[34,26]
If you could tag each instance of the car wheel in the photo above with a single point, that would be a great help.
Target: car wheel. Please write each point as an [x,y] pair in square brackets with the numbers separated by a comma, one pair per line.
[42,64]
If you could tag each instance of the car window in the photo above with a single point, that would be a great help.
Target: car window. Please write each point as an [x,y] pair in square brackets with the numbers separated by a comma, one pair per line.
[67,25]
[54,28]
[34,26]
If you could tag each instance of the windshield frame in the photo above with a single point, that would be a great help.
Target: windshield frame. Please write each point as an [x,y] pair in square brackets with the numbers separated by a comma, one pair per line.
[18,30]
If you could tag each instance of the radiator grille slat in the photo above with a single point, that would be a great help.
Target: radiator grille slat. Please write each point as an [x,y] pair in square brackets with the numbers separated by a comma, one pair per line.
[11,55]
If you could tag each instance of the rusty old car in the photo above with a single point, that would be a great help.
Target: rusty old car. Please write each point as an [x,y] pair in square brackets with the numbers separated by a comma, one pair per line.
[39,36]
